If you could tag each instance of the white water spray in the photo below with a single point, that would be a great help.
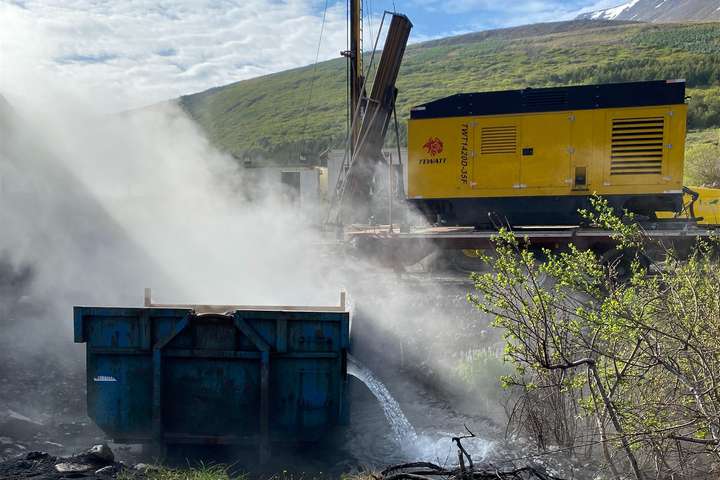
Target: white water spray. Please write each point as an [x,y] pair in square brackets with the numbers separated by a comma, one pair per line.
[403,431]
[437,447]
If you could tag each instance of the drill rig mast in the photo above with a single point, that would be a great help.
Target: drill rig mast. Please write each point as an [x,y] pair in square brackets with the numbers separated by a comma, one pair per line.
[369,116]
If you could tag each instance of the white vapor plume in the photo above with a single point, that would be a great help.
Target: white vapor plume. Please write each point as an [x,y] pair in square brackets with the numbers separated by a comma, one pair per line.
[101,206]
[151,179]
[95,207]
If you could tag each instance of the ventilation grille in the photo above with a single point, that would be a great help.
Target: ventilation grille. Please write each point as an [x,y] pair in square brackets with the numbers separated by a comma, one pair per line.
[535,99]
[637,146]
[498,140]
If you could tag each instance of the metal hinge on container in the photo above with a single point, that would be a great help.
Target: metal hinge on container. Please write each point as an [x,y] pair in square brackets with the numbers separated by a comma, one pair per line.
[519,185]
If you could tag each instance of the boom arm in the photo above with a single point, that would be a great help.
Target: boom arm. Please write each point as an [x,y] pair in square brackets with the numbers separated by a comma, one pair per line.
[356,177]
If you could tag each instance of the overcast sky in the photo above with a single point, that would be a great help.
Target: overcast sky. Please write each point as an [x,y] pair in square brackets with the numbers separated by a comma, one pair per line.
[130,53]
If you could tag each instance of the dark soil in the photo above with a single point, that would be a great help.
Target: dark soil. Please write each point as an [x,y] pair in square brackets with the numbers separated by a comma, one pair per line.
[43,466]
[49,390]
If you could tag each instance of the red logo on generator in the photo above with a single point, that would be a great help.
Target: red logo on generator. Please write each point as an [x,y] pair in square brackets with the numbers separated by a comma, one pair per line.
[433,146]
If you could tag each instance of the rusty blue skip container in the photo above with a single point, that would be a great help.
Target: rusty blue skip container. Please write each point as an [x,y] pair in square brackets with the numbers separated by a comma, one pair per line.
[193,374]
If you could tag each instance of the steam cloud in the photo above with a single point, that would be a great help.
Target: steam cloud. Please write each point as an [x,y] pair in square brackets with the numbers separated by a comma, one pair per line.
[94,207]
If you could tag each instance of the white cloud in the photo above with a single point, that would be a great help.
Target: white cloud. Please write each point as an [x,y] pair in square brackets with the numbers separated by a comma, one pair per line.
[134,52]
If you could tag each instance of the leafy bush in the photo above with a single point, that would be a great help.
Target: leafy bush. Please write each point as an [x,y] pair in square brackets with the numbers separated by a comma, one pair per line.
[704,108]
[687,38]
[479,371]
[702,165]
[627,336]
[702,157]
[698,70]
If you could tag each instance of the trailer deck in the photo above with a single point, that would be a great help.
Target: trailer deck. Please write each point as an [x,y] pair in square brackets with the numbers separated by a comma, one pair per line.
[411,246]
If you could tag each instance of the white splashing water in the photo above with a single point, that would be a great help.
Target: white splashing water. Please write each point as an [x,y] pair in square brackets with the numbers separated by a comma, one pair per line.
[403,431]
[437,447]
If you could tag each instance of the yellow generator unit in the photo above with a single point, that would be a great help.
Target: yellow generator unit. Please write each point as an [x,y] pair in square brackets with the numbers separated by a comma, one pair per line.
[535,156]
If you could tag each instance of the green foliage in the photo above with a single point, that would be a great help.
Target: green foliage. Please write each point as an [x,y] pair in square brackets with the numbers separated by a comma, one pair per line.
[704,107]
[629,339]
[125,474]
[480,369]
[276,116]
[203,472]
[625,231]
[682,38]
[699,70]
[220,472]
[702,158]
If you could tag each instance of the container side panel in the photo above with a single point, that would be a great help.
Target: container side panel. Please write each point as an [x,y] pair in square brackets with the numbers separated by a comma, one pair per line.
[164,325]
[214,335]
[308,336]
[119,394]
[211,396]
[114,331]
[316,396]
[305,395]
[78,324]
[265,328]
[210,379]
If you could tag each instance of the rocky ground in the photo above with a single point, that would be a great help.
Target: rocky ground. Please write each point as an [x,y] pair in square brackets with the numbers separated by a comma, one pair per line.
[42,413]
[42,404]
[98,462]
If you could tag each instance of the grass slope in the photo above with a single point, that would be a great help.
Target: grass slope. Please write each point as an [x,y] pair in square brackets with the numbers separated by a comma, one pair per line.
[278,116]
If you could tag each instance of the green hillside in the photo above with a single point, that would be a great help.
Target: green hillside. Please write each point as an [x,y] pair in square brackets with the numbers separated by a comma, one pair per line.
[275,117]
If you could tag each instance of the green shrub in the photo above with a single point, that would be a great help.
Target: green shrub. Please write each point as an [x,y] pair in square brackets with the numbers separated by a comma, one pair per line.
[704,108]
[626,338]
[702,164]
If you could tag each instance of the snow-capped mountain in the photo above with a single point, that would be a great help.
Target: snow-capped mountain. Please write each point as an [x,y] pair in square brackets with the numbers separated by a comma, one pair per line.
[659,11]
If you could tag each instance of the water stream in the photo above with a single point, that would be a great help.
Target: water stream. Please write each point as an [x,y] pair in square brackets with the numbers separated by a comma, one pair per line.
[403,431]
[438,425]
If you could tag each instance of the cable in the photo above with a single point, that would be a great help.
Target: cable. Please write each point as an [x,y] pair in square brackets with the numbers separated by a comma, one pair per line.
[348,66]
[369,20]
[312,79]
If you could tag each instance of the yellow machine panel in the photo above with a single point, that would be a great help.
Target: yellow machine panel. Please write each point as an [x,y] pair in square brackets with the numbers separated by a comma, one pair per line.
[706,208]
[632,154]
[629,150]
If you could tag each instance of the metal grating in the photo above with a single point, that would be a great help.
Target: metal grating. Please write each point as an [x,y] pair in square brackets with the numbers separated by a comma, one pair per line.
[538,99]
[637,146]
[495,140]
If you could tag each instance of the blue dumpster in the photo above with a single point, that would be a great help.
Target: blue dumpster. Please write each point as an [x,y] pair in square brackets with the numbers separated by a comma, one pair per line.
[165,375]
